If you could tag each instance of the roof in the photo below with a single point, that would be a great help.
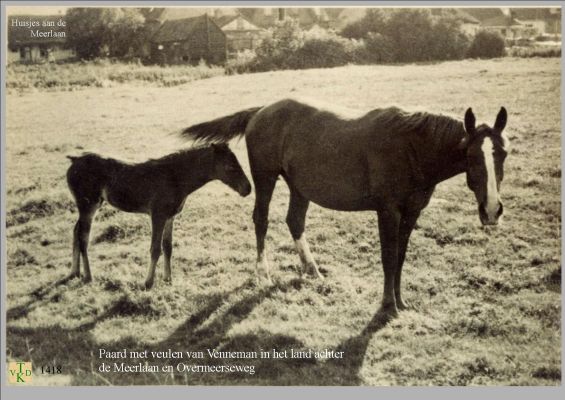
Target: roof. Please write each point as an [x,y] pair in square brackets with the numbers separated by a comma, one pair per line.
[503,20]
[223,20]
[173,13]
[456,13]
[483,14]
[179,29]
[21,35]
[536,13]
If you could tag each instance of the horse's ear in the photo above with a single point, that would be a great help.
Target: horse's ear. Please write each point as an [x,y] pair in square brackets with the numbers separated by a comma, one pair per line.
[470,122]
[501,118]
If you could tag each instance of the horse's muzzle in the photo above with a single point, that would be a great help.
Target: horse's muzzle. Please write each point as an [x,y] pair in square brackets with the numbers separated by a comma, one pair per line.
[489,218]
[245,189]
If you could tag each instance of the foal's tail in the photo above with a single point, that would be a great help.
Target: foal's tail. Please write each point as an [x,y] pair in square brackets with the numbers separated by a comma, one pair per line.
[221,129]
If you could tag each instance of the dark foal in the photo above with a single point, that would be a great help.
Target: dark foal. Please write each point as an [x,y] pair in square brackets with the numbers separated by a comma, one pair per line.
[385,160]
[155,187]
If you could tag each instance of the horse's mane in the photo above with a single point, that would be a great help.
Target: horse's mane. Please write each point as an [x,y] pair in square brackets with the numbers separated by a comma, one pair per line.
[436,128]
[178,156]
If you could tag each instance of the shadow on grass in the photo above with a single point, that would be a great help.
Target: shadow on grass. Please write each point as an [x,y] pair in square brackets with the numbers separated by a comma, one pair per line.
[76,350]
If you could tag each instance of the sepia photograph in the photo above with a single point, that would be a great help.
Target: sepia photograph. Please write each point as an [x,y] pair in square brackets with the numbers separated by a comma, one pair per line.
[282,195]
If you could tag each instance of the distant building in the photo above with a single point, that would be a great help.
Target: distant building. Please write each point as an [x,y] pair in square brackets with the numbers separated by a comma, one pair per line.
[467,23]
[38,44]
[499,21]
[187,41]
[240,33]
[542,20]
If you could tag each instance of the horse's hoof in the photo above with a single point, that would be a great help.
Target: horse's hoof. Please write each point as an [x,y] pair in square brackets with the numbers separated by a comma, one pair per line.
[148,284]
[402,305]
[87,279]
[313,272]
[72,275]
[387,313]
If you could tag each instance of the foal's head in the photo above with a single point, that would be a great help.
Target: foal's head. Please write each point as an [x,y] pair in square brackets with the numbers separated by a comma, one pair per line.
[228,170]
[486,152]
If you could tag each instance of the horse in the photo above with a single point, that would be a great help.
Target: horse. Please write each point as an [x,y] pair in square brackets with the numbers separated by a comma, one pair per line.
[157,187]
[386,160]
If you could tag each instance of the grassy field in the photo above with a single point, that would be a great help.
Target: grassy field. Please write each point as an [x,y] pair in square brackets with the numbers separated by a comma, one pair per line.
[487,303]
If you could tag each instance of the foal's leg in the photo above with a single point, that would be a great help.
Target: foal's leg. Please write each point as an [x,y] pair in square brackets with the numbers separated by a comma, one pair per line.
[168,247]
[75,269]
[407,223]
[157,226]
[389,224]
[295,219]
[263,192]
[83,232]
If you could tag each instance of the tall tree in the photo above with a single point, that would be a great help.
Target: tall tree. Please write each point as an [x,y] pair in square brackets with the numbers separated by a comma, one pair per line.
[89,30]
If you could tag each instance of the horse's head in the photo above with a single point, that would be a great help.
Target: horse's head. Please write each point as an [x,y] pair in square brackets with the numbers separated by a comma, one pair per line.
[486,150]
[228,170]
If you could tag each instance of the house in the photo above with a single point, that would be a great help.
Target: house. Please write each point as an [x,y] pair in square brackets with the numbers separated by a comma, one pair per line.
[307,18]
[467,23]
[499,21]
[43,42]
[542,20]
[187,41]
[240,33]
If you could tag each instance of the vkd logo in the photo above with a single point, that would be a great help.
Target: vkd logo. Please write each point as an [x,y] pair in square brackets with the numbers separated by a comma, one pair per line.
[19,372]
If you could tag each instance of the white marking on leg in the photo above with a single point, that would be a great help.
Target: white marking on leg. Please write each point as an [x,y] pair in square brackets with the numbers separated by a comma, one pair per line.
[263,264]
[308,263]
[304,250]
[492,190]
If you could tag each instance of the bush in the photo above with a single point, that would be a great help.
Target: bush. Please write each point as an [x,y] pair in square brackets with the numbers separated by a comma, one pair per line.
[243,62]
[102,73]
[375,49]
[373,22]
[486,45]
[536,51]
[319,53]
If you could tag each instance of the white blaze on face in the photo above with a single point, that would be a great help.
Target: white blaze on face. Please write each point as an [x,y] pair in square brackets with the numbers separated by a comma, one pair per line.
[492,190]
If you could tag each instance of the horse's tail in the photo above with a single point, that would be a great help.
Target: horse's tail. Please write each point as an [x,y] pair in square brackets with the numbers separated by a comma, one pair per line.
[221,129]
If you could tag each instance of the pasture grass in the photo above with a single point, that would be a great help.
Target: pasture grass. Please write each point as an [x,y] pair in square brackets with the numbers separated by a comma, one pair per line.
[486,302]
[102,73]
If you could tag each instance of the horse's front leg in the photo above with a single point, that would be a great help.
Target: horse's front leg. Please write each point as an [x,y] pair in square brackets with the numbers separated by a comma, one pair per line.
[157,226]
[389,223]
[407,223]
[168,248]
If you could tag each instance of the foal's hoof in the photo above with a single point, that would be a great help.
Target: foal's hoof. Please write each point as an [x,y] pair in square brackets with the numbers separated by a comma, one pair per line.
[87,279]
[312,271]
[148,284]
[263,282]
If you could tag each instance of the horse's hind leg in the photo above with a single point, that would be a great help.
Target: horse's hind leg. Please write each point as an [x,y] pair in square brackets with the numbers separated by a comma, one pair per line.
[295,220]
[157,226]
[264,187]
[168,247]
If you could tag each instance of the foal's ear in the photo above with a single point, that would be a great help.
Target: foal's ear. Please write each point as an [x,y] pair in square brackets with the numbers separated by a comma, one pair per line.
[501,118]
[470,122]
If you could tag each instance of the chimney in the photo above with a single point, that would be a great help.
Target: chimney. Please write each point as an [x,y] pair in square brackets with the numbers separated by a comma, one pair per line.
[282,14]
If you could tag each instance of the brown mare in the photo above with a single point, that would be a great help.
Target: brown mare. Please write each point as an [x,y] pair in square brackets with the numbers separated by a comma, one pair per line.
[385,160]
[155,187]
